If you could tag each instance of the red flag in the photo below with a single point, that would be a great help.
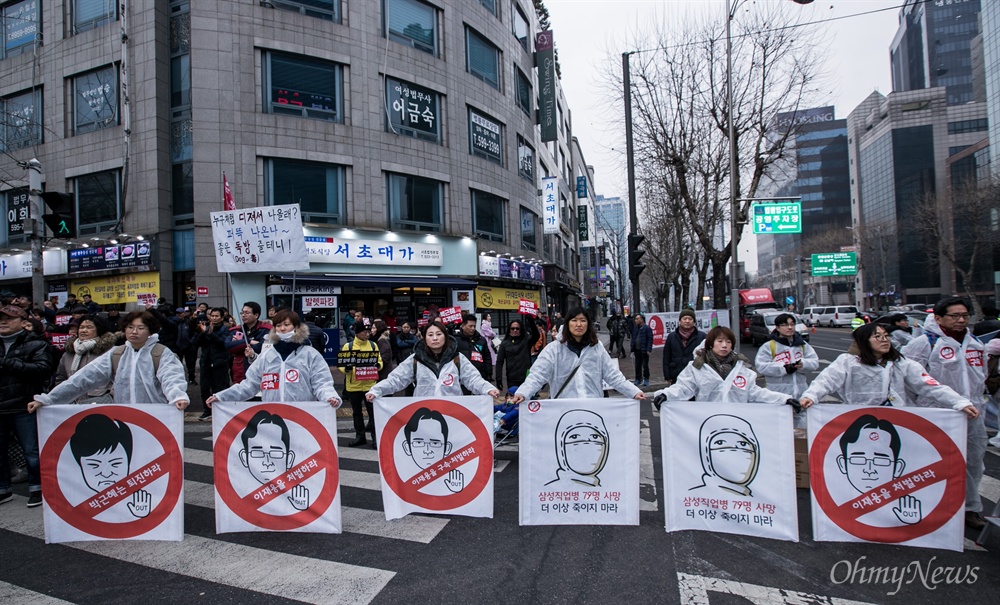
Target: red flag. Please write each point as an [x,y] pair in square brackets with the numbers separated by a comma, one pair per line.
[228,203]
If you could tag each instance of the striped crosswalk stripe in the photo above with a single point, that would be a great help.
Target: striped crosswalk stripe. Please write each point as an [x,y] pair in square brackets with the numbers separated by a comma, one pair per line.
[10,593]
[310,580]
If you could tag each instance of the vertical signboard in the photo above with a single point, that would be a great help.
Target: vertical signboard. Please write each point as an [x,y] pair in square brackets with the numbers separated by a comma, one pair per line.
[550,218]
[546,63]
[581,214]
[17,211]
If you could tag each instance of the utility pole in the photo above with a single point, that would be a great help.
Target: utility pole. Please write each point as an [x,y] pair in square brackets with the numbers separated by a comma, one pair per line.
[37,231]
[630,162]
[798,292]
[734,295]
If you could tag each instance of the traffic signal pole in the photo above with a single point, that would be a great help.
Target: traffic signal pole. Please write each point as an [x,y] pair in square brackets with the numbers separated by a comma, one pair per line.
[34,168]
[630,162]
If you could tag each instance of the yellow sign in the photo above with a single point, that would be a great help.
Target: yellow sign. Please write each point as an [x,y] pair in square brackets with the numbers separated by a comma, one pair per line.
[117,288]
[504,298]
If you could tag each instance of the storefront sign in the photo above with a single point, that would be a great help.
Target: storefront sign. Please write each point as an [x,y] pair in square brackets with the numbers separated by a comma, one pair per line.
[18,266]
[373,252]
[318,302]
[504,298]
[550,205]
[103,258]
[117,289]
[18,210]
[280,289]
[491,266]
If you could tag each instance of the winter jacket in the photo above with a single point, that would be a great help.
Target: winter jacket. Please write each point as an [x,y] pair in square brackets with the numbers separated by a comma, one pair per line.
[384,342]
[25,368]
[134,381]
[901,382]
[959,365]
[773,357]
[405,344]
[303,376]
[350,384]
[443,378]
[515,352]
[676,356]
[557,361]
[104,344]
[699,381]
[476,349]
[985,326]
[642,338]
[238,340]
[214,353]
[317,337]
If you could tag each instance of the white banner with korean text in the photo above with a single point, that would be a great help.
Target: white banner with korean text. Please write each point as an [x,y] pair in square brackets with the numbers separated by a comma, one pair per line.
[276,467]
[373,252]
[579,462]
[550,205]
[729,468]
[888,474]
[268,238]
[112,472]
[435,455]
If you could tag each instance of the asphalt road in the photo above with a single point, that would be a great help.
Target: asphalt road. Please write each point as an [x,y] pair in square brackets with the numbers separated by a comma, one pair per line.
[436,559]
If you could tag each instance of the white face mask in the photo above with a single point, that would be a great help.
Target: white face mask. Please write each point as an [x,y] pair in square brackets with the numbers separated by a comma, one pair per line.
[734,465]
[286,336]
[585,458]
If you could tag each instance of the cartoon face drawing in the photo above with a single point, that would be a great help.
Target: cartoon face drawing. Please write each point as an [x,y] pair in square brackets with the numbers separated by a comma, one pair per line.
[103,449]
[869,453]
[425,437]
[730,454]
[266,453]
[582,445]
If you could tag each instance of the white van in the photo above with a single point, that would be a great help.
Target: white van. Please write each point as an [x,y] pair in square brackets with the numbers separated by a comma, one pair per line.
[810,315]
[837,316]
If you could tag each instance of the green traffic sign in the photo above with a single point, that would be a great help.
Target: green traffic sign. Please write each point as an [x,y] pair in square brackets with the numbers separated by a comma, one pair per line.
[834,263]
[777,217]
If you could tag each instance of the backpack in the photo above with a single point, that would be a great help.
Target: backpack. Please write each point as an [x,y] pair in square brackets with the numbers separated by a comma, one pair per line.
[116,358]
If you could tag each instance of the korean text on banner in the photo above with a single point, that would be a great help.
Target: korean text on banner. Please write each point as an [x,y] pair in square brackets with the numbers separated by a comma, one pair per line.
[527,307]
[276,467]
[435,455]
[888,474]
[112,472]
[451,315]
[729,468]
[268,238]
[550,205]
[579,462]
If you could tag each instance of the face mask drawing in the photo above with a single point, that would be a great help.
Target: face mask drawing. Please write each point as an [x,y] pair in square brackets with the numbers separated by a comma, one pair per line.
[730,454]
[582,446]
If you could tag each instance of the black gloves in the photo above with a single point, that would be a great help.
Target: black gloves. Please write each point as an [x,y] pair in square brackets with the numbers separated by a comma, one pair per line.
[795,405]
[790,368]
[659,399]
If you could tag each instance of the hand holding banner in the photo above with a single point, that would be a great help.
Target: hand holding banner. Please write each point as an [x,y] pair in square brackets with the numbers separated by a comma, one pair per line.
[527,307]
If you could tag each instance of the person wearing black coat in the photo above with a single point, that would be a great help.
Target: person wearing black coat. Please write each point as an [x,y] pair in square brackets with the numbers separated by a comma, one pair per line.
[989,322]
[474,347]
[214,357]
[515,352]
[678,350]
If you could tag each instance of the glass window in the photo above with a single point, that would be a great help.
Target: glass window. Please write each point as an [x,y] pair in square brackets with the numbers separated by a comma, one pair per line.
[488,216]
[525,159]
[491,5]
[88,14]
[529,239]
[964,126]
[184,250]
[519,25]
[415,204]
[321,9]
[413,23]
[482,59]
[485,137]
[413,110]
[317,188]
[182,193]
[524,93]
[301,86]
[95,100]
[180,59]
[22,123]
[17,209]
[20,27]
[97,201]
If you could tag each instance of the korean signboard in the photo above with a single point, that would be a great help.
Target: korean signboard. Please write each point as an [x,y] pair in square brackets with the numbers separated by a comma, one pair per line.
[485,137]
[18,210]
[834,263]
[413,109]
[581,214]
[550,205]
[117,289]
[373,252]
[545,59]
[103,258]
[508,299]
[777,217]
[504,268]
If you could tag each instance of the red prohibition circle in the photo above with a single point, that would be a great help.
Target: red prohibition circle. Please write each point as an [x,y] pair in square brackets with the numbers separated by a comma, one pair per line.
[56,500]
[482,441]
[951,456]
[253,515]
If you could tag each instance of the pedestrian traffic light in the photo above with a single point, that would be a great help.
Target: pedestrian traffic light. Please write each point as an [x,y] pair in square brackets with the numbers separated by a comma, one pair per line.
[635,267]
[62,219]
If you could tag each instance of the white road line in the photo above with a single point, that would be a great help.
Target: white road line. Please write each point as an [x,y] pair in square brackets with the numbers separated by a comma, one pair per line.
[9,593]
[355,520]
[990,488]
[303,578]
[840,350]
[694,591]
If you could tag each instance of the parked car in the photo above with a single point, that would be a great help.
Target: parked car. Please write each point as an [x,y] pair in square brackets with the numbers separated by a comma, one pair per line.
[837,316]
[762,324]
[810,315]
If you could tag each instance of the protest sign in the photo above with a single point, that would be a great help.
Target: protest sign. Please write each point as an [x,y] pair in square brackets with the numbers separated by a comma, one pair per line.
[276,467]
[729,468]
[887,474]
[527,307]
[112,472]
[268,238]
[579,462]
[436,455]
[451,315]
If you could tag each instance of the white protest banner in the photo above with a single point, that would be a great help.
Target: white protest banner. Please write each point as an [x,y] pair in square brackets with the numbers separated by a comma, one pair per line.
[435,455]
[451,315]
[579,462]
[112,472]
[146,299]
[268,238]
[527,307]
[662,324]
[276,467]
[887,474]
[729,468]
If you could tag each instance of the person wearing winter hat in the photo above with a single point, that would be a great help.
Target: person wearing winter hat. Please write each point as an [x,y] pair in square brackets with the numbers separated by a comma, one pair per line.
[678,350]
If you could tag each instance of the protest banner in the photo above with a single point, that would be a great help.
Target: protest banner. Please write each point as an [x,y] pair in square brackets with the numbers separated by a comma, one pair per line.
[662,324]
[527,307]
[112,472]
[436,455]
[451,315]
[269,238]
[729,468]
[579,462]
[146,299]
[887,474]
[276,467]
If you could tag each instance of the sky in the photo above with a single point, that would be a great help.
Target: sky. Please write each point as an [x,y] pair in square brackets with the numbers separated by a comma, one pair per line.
[591,33]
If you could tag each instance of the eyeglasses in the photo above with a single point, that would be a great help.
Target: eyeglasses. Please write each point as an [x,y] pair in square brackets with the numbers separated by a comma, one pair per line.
[137,328]
[881,337]
[273,454]
[957,316]
[515,329]
[858,460]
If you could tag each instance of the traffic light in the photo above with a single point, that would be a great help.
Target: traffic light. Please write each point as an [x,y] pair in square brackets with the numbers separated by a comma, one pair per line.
[62,219]
[635,267]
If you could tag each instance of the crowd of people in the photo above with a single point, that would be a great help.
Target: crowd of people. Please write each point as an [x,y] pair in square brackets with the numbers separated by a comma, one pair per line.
[76,353]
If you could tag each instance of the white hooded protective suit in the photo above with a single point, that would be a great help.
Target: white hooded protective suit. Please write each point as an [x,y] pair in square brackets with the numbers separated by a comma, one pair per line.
[700,382]
[555,364]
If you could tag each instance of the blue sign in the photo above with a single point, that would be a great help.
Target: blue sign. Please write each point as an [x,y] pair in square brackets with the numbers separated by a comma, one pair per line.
[331,345]
[581,186]
[789,300]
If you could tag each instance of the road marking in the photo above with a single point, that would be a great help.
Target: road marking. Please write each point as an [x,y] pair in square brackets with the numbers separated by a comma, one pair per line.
[694,591]
[647,472]
[355,520]
[841,350]
[308,580]
[9,593]
[989,488]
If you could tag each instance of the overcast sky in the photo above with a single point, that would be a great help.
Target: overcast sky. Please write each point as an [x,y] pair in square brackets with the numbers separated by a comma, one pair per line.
[590,33]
